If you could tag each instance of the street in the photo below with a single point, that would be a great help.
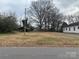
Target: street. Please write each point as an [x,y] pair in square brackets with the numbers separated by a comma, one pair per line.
[39,53]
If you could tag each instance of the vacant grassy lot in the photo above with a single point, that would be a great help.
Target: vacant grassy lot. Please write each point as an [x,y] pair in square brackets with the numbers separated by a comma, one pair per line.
[39,39]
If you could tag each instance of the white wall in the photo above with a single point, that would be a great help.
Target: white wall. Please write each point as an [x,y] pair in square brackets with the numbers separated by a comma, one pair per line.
[71,29]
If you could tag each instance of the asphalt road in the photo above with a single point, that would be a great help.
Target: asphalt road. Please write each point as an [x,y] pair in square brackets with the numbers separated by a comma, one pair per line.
[39,53]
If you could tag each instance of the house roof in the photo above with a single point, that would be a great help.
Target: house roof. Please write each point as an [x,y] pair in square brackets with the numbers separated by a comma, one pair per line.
[64,24]
[72,24]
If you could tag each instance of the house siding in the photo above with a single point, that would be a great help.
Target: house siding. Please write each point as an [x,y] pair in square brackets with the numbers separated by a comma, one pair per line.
[71,30]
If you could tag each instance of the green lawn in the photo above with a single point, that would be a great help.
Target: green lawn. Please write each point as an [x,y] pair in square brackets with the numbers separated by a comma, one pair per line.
[39,39]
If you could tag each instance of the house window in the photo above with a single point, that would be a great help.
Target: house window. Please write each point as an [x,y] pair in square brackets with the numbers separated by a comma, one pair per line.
[66,28]
[74,28]
[78,27]
[69,29]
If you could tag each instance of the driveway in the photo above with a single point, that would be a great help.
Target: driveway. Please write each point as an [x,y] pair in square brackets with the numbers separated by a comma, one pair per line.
[71,35]
[39,53]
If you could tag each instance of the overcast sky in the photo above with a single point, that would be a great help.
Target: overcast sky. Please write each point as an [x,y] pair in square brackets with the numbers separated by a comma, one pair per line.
[68,6]
[65,6]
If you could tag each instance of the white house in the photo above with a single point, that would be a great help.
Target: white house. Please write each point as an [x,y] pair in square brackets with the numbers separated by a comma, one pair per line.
[71,28]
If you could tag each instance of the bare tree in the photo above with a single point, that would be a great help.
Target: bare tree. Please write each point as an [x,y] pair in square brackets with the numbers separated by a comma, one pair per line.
[72,18]
[45,13]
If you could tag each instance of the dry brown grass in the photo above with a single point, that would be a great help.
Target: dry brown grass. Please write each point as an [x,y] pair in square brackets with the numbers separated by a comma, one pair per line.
[39,39]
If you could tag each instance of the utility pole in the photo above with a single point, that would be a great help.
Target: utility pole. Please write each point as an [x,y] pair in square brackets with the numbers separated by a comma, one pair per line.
[25,23]
[20,21]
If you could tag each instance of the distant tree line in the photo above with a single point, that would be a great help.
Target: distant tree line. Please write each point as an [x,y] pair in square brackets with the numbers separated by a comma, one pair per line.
[43,13]
[71,18]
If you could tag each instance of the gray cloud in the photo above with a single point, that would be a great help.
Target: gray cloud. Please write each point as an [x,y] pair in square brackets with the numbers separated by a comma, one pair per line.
[14,6]
[67,6]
